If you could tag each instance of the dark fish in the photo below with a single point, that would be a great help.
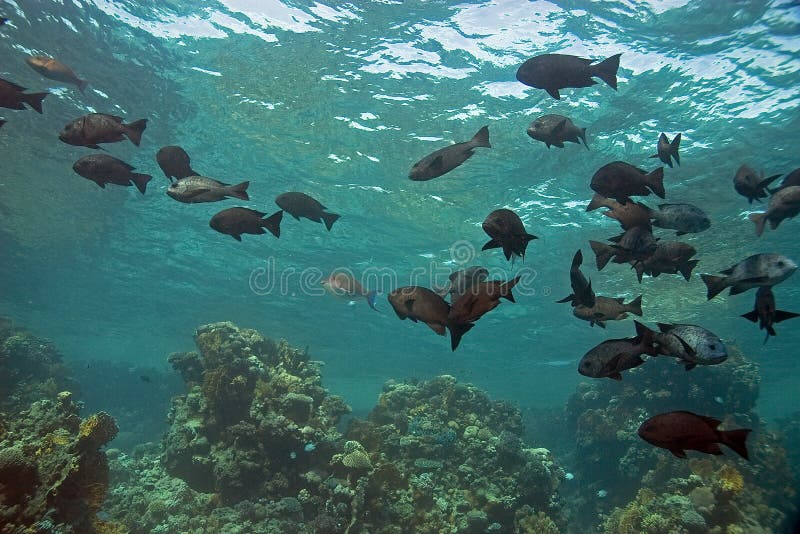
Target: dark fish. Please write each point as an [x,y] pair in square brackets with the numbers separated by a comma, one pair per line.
[12,97]
[460,281]
[481,298]
[422,304]
[582,294]
[556,130]
[628,215]
[174,161]
[103,169]
[635,244]
[620,181]
[144,378]
[55,70]
[669,257]
[793,178]
[692,345]
[668,149]
[507,232]
[765,312]
[681,431]
[301,205]
[343,284]
[238,221]
[683,218]
[552,72]
[608,309]
[784,204]
[95,128]
[448,158]
[611,357]
[750,184]
[196,189]
[754,271]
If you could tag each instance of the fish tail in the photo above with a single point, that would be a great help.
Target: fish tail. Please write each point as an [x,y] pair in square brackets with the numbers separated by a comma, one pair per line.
[506,287]
[646,338]
[602,252]
[577,260]
[583,137]
[767,181]
[240,191]
[736,440]
[656,182]
[457,331]
[371,296]
[140,180]
[606,70]
[273,223]
[134,131]
[635,306]
[759,218]
[598,201]
[714,284]
[568,298]
[329,219]
[82,85]
[686,268]
[673,148]
[481,138]
[34,100]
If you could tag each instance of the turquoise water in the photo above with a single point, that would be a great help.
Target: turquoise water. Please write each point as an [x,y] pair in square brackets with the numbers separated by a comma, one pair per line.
[339,101]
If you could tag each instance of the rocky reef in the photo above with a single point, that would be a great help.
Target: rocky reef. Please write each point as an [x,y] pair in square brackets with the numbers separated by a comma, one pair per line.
[640,488]
[254,447]
[53,475]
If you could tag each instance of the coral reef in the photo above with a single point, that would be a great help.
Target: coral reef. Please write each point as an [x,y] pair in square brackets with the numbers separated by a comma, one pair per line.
[654,492]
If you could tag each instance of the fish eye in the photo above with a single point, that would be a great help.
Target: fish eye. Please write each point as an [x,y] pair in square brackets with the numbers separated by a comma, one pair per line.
[712,346]
[781,264]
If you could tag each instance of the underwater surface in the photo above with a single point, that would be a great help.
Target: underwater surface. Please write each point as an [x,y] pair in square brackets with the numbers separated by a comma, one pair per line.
[339,100]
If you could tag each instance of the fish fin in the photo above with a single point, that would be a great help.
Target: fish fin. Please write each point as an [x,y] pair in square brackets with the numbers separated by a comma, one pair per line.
[673,148]
[712,448]
[615,376]
[134,131]
[639,267]
[437,327]
[568,298]
[655,180]
[736,440]
[506,287]
[767,181]
[34,100]
[680,453]
[559,144]
[583,137]
[437,163]
[601,324]
[140,181]
[686,268]
[507,249]
[239,191]
[680,233]
[371,296]
[759,218]
[457,331]
[635,306]
[606,70]
[329,219]
[577,260]
[598,201]
[547,143]
[552,91]
[98,147]
[273,223]
[492,243]
[82,84]
[714,284]
[664,327]
[481,138]
[781,315]
[751,316]
[689,365]
[237,237]
[602,252]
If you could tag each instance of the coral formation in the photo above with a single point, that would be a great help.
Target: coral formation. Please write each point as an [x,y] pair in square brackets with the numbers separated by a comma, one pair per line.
[655,492]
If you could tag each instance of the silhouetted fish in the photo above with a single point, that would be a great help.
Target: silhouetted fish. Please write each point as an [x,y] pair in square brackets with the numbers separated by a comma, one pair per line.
[669,257]
[681,431]
[95,128]
[238,221]
[750,184]
[667,150]
[582,294]
[174,161]
[552,72]
[628,215]
[13,97]
[422,304]
[620,180]
[301,205]
[765,313]
[196,189]
[556,130]
[103,169]
[55,70]
[784,204]
[636,244]
[507,232]
[481,298]
[448,158]
[611,357]
[460,281]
